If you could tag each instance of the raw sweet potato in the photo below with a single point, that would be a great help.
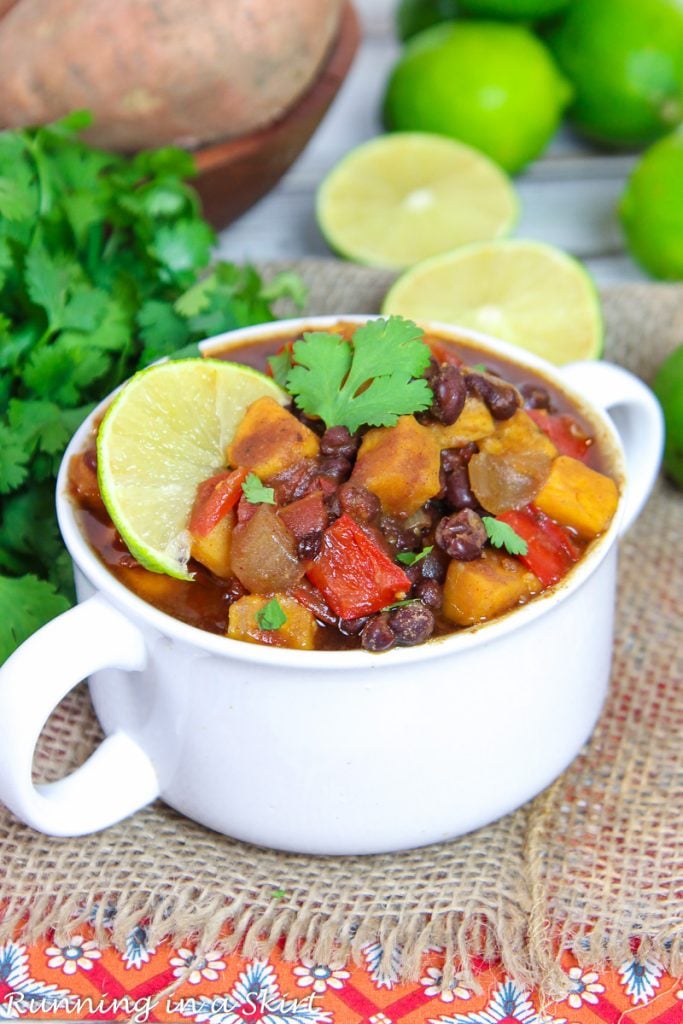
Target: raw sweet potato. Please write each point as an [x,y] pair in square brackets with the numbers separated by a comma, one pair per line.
[159,73]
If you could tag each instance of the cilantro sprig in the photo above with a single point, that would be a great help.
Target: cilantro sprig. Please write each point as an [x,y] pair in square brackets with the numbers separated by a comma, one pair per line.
[104,267]
[502,535]
[371,380]
[413,557]
[256,492]
[271,616]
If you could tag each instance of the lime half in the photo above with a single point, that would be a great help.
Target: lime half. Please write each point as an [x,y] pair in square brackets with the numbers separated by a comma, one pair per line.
[403,197]
[166,431]
[526,293]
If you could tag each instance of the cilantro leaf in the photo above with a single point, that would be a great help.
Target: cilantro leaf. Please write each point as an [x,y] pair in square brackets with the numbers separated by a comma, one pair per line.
[26,603]
[256,493]
[184,246]
[47,282]
[271,616]
[373,380]
[502,535]
[161,329]
[280,365]
[14,458]
[412,558]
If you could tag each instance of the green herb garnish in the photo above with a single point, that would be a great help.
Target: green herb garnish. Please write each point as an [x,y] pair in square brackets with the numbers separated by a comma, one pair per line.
[278,894]
[280,365]
[271,616]
[401,604]
[104,267]
[502,535]
[372,380]
[478,368]
[412,557]
[257,493]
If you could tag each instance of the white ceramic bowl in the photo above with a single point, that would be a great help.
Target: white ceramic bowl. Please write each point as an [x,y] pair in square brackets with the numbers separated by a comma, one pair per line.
[329,752]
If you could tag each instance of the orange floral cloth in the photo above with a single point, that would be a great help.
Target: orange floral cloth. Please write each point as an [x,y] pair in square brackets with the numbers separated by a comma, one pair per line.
[82,982]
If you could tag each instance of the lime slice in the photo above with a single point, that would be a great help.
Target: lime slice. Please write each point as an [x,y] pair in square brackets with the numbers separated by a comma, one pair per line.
[166,431]
[526,293]
[403,197]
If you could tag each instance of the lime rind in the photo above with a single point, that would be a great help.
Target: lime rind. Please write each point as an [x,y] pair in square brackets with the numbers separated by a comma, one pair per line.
[550,344]
[354,237]
[167,430]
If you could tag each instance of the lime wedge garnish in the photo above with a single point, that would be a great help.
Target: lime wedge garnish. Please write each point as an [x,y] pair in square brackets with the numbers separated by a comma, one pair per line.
[166,431]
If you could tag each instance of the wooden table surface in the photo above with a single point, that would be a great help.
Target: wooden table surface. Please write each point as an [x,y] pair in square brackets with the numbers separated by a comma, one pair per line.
[568,197]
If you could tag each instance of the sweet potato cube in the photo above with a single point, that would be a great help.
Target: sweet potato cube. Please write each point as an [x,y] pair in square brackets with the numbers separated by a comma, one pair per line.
[480,590]
[298,632]
[577,496]
[473,423]
[213,549]
[400,465]
[518,434]
[269,439]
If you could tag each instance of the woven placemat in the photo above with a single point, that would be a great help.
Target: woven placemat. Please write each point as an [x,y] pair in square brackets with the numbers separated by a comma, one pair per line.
[593,863]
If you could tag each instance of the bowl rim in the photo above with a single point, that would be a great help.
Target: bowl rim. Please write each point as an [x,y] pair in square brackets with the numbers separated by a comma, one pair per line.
[518,618]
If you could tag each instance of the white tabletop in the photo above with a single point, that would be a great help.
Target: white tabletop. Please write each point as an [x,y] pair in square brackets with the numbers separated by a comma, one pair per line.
[568,197]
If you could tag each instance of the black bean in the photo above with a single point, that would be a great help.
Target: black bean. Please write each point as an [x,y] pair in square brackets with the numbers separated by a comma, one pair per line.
[377,634]
[501,399]
[429,593]
[396,536]
[316,425]
[358,502]
[339,441]
[337,467]
[462,536]
[535,396]
[432,370]
[309,546]
[90,459]
[433,566]
[352,627]
[450,393]
[458,491]
[412,624]
[413,572]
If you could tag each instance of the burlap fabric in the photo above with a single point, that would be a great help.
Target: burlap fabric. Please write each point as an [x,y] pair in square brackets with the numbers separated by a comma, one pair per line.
[592,863]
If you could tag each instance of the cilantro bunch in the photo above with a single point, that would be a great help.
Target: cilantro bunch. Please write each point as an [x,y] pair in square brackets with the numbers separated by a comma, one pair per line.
[104,267]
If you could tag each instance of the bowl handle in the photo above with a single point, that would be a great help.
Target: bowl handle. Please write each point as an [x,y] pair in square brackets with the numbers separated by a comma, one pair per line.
[638,420]
[118,778]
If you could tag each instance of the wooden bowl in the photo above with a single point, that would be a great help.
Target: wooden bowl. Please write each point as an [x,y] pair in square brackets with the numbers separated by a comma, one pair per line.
[234,174]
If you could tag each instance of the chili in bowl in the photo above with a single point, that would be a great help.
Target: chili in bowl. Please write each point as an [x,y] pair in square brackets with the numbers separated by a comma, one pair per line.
[436,633]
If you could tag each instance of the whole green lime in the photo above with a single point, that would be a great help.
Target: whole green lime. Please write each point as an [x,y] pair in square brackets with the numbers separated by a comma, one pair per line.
[668,387]
[413,16]
[651,209]
[625,61]
[493,86]
[516,10]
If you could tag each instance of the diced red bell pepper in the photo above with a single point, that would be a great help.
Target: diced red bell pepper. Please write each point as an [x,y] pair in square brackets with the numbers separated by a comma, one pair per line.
[215,497]
[305,516]
[551,549]
[444,353]
[355,576]
[567,435]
